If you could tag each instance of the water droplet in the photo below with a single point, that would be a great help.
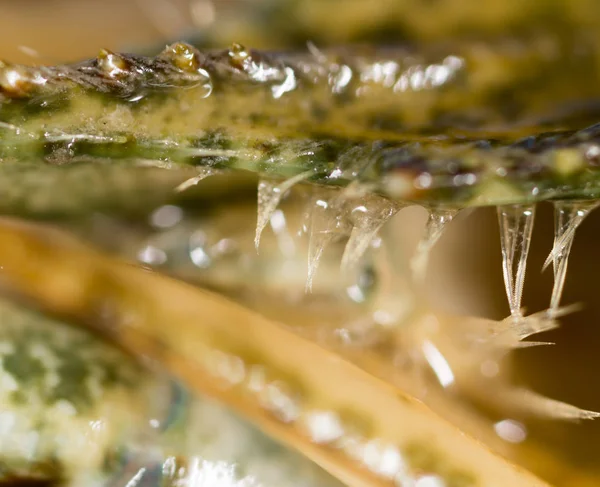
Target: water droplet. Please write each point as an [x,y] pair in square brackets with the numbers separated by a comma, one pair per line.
[367,218]
[269,196]
[516,226]
[204,172]
[568,215]
[435,226]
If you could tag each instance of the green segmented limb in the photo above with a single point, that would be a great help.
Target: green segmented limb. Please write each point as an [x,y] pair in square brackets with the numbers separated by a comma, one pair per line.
[433,127]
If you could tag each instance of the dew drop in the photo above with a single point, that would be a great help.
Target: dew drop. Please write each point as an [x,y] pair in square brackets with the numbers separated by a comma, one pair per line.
[367,218]
[203,173]
[270,193]
[435,226]
[568,215]
[516,226]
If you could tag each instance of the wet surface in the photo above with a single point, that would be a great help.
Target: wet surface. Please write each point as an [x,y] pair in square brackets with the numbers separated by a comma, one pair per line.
[515,145]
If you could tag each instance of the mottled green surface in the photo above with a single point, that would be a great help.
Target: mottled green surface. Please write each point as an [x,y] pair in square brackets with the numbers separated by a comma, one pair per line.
[469,124]
[74,411]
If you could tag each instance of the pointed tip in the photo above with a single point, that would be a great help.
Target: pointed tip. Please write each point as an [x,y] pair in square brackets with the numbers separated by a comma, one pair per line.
[532,344]
[308,288]
[260,226]
[550,408]
[436,224]
[588,415]
[554,313]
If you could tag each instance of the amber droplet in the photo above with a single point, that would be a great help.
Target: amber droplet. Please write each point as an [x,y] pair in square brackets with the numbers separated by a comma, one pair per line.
[183,56]
[15,81]
[111,64]
[238,55]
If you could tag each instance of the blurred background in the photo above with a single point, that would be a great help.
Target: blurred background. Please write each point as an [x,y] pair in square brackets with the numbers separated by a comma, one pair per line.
[465,273]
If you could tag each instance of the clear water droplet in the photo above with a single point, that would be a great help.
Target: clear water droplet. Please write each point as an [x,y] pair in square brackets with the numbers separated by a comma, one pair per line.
[516,227]
[568,215]
[270,193]
[436,224]
[367,217]
[203,173]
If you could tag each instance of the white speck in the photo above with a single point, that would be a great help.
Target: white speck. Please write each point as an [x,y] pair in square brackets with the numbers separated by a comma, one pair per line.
[232,368]
[202,473]
[404,480]
[29,444]
[289,84]
[335,174]
[97,425]
[65,407]
[430,481]
[511,431]
[391,462]
[468,179]
[438,75]
[166,216]
[341,79]
[152,256]
[438,363]
[384,318]
[6,348]
[135,480]
[324,426]
[7,381]
[423,181]
[490,368]
[592,152]
[256,378]
[200,258]
[30,51]
[276,400]
[7,422]
[51,379]
[356,294]
[45,355]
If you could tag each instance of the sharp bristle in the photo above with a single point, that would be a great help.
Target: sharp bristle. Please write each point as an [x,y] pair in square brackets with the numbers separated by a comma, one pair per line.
[204,172]
[516,226]
[436,224]
[544,406]
[269,196]
[367,217]
[568,215]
